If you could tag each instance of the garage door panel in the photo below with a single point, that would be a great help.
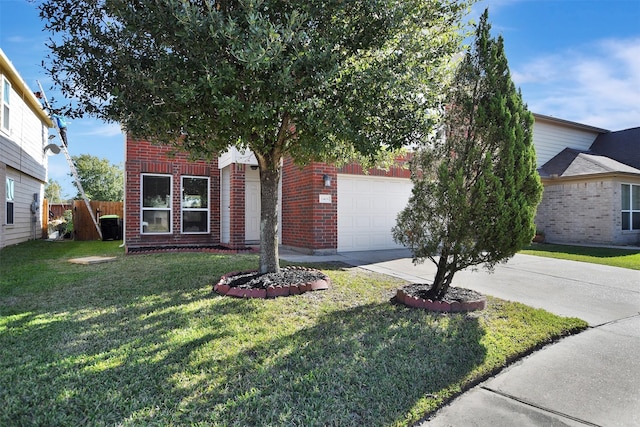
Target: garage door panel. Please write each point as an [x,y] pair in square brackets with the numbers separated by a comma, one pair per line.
[379,205]
[379,240]
[367,211]
[362,223]
[347,221]
[381,221]
[362,186]
[361,204]
[360,240]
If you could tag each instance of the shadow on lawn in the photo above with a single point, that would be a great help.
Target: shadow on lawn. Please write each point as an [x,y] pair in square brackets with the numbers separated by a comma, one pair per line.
[121,346]
[99,366]
[368,365]
[371,365]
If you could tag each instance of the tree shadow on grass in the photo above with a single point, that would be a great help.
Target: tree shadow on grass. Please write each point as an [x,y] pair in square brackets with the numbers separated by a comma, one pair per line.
[372,365]
[122,344]
[101,364]
[376,364]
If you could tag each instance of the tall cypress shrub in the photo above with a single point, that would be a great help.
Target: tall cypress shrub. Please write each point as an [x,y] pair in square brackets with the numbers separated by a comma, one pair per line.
[476,188]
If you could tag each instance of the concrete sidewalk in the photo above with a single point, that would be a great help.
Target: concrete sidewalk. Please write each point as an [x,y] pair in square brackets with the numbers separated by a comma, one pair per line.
[589,379]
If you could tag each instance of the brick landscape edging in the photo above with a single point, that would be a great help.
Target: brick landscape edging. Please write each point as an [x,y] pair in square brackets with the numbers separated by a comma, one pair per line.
[272,291]
[440,306]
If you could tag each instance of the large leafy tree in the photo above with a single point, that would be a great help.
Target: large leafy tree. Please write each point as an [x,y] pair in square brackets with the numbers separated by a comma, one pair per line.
[53,191]
[100,179]
[476,188]
[311,79]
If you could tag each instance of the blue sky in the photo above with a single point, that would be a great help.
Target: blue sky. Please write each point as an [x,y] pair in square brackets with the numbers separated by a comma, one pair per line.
[577,60]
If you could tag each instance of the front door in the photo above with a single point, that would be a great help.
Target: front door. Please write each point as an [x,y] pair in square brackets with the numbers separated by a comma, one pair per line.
[252,206]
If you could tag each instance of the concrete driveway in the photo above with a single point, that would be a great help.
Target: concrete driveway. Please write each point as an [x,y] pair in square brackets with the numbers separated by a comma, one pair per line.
[589,379]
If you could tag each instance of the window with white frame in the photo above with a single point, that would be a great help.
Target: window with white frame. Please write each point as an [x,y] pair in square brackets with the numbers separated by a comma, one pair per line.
[156,204]
[195,204]
[5,110]
[10,196]
[630,207]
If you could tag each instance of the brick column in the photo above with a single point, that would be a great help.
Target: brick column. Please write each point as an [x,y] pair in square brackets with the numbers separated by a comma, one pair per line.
[236,211]
[307,223]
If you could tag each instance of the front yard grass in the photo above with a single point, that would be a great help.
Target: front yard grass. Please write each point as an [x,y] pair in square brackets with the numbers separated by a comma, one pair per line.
[144,341]
[614,257]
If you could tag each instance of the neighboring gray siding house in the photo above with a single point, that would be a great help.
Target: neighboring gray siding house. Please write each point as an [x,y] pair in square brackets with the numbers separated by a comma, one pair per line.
[23,162]
[552,135]
[591,184]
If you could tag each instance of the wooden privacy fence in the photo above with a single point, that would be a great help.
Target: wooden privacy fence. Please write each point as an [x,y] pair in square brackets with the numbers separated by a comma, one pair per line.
[45,219]
[57,209]
[83,227]
[51,211]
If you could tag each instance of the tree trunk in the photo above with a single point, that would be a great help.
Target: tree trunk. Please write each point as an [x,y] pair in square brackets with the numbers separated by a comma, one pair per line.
[270,162]
[440,282]
[269,180]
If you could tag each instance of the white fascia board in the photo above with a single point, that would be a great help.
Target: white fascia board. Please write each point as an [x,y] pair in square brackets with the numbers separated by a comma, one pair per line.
[233,155]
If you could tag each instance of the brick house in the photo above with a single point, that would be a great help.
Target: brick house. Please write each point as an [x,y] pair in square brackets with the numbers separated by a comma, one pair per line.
[591,181]
[173,202]
[24,129]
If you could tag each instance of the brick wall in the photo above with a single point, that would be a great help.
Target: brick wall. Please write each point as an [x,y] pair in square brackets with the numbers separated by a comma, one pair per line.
[144,157]
[580,212]
[307,224]
[392,172]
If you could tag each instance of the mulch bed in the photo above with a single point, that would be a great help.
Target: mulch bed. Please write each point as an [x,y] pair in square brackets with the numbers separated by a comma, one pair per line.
[455,300]
[290,281]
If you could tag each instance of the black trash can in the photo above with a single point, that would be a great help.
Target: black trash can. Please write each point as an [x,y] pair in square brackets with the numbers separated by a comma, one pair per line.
[111,227]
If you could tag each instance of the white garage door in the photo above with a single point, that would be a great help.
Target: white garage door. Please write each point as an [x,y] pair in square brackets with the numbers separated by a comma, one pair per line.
[367,210]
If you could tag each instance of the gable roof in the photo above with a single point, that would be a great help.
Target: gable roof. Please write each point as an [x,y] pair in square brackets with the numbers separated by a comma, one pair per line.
[611,152]
[570,162]
[18,84]
[623,146]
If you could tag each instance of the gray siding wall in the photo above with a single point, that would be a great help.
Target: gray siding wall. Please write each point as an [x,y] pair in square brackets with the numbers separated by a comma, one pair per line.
[550,138]
[22,158]
[26,225]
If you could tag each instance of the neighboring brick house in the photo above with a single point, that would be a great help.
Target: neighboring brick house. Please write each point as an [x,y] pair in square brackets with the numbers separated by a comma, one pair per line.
[173,202]
[24,129]
[591,186]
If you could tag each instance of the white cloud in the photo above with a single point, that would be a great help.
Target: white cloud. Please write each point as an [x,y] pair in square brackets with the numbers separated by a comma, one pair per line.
[597,84]
[17,39]
[102,129]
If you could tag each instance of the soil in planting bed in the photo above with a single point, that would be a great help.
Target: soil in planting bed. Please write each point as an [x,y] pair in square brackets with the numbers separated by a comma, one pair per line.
[289,281]
[421,290]
[288,276]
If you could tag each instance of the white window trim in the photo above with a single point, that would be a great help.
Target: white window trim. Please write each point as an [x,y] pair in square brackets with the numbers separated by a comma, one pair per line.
[630,211]
[143,209]
[10,200]
[5,105]
[183,209]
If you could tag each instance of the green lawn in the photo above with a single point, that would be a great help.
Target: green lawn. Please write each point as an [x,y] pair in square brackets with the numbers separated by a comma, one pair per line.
[144,341]
[626,258]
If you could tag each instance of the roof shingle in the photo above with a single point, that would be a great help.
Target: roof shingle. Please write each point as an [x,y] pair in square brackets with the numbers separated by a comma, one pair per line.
[610,152]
